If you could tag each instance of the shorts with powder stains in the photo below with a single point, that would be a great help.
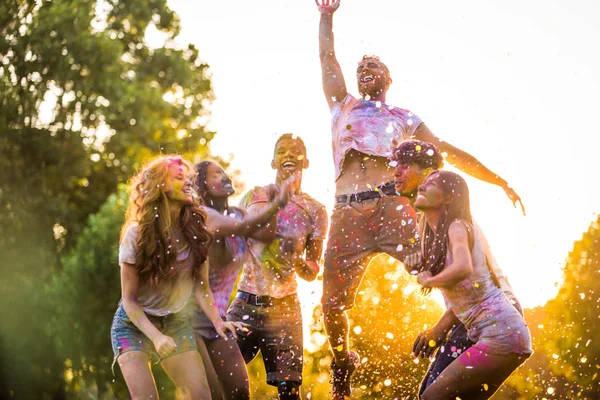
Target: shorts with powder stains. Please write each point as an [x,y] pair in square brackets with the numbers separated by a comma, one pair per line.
[125,336]
[358,232]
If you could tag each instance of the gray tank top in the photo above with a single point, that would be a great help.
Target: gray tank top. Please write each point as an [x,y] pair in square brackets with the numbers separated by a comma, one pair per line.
[465,297]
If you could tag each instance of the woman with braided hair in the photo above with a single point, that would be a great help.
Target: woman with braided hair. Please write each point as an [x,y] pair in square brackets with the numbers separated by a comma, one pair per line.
[453,260]
[231,226]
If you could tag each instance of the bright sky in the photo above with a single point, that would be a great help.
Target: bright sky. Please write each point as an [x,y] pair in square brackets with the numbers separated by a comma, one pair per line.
[514,83]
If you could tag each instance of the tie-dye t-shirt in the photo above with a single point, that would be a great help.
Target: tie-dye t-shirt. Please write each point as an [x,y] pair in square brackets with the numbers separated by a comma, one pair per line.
[160,301]
[368,127]
[268,271]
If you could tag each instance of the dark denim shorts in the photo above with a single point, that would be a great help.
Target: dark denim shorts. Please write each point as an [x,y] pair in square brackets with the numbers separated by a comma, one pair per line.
[125,336]
[274,329]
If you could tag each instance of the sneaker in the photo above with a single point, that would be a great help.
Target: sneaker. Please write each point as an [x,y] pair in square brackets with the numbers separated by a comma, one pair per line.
[342,389]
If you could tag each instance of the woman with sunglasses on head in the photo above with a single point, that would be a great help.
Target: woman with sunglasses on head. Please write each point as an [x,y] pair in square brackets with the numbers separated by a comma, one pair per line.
[231,226]
[163,253]
[453,260]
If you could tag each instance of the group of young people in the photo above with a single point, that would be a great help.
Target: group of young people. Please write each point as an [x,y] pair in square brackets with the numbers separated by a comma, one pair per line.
[183,247]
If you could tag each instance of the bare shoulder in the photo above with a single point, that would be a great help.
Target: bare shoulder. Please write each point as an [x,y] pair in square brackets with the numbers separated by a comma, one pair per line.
[458,231]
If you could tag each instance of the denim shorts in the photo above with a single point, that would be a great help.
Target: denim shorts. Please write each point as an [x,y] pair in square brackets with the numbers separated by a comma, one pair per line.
[500,329]
[455,343]
[125,336]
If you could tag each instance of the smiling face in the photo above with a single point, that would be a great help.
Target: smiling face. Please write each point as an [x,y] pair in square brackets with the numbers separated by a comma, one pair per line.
[177,185]
[373,78]
[430,195]
[289,158]
[218,183]
[408,177]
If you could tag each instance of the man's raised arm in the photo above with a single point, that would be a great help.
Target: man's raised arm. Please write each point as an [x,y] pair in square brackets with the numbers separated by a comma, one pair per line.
[467,163]
[334,85]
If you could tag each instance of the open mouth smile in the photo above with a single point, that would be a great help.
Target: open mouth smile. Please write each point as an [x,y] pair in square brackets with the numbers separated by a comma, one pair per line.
[226,186]
[366,78]
[288,164]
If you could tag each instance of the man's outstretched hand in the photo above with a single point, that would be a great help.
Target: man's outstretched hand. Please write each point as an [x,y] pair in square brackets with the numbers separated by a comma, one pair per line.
[514,197]
[327,6]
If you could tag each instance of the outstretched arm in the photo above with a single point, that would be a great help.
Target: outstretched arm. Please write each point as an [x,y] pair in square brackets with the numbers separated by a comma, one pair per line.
[222,225]
[334,85]
[261,219]
[467,163]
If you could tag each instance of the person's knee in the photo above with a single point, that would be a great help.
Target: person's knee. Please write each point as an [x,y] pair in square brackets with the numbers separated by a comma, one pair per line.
[289,391]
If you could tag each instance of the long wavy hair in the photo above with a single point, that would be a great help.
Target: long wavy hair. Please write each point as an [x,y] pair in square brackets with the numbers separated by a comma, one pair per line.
[435,244]
[156,249]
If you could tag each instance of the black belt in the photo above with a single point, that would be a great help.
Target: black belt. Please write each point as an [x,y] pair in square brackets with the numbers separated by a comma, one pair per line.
[256,300]
[387,189]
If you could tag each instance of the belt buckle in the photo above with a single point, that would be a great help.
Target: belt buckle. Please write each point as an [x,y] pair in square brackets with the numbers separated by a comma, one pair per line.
[258,302]
[349,199]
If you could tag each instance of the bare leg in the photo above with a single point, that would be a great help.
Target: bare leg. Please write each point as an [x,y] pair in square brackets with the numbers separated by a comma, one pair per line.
[473,375]
[337,327]
[213,380]
[336,320]
[230,368]
[135,366]
[187,372]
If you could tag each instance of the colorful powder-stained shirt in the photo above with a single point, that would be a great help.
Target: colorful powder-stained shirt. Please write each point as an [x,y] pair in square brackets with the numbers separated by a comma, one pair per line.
[222,277]
[161,301]
[268,271]
[368,127]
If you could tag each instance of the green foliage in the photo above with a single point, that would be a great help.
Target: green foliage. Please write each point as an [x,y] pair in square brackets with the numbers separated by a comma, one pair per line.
[84,101]
[566,362]
[85,296]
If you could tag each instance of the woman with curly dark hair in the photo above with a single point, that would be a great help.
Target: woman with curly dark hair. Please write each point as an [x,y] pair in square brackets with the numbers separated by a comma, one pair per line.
[163,254]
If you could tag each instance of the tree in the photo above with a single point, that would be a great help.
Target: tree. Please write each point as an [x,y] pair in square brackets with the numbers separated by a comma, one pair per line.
[84,101]
[85,296]
[566,359]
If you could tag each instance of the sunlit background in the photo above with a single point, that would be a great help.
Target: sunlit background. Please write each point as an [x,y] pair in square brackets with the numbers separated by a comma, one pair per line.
[513,83]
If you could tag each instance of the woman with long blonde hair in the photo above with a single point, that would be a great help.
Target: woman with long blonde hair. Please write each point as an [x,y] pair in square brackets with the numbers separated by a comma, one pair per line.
[163,254]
